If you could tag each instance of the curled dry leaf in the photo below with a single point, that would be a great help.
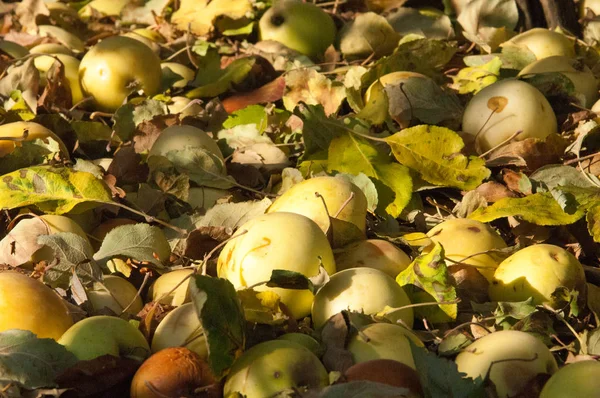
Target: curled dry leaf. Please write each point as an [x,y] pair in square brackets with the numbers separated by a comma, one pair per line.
[17,247]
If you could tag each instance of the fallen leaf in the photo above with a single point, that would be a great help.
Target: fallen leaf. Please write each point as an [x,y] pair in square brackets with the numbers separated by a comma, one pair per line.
[270,92]
[309,86]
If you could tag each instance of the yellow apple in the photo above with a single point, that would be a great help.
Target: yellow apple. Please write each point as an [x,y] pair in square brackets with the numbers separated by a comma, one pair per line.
[71,69]
[162,290]
[34,131]
[504,108]
[285,241]
[50,48]
[576,380]
[543,43]
[119,294]
[373,253]
[390,79]
[303,27]
[110,8]
[340,196]
[592,5]
[117,67]
[28,304]
[181,328]
[149,37]
[537,271]
[509,358]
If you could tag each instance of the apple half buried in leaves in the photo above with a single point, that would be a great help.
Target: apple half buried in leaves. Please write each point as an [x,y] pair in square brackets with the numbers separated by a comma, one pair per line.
[575,380]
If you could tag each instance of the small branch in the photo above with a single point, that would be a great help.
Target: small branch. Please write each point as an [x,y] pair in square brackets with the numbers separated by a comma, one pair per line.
[506,141]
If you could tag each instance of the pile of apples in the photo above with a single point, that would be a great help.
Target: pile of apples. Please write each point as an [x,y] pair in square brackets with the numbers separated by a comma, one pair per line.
[317,225]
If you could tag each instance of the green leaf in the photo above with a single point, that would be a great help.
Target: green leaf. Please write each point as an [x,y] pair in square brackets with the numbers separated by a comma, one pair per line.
[318,130]
[75,255]
[435,153]
[54,190]
[475,78]
[539,208]
[352,154]
[30,361]
[29,153]
[222,317]
[440,377]
[141,242]
[593,221]
[219,81]
[427,280]
[295,280]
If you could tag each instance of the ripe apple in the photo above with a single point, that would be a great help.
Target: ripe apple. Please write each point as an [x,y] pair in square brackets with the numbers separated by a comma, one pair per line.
[68,39]
[303,27]
[347,226]
[105,335]
[119,293]
[368,33]
[509,358]
[186,73]
[181,328]
[543,43]
[462,237]
[162,290]
[274,366]
[389,79]
[285,241]
[373,253]
[174,372]
[579,379]
[71,68]
[582,77]
[502,109]
[149,37]
[365,290]
[537,271]
[110,8]
[13,49]
[55,225]
[28,304]
[305,341]
[387,371]
[116,67]
[34,131]
[50,48]
[181,105]
[383,341]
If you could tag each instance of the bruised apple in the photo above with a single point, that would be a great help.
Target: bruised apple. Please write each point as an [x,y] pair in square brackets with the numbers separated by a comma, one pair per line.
[169,288]
[117,294]
[181,328]
[28,304]
[373,253]
[579,379]
[275,366]
[509,358]
[285,241]
[339,199]
[365,290]
[500,110]
[537,271]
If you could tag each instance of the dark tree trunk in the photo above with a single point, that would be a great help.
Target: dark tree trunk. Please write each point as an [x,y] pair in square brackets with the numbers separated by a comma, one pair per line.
[549,14]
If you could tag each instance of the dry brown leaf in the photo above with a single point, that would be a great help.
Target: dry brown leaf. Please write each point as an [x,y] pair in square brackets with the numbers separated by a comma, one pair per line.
[17,247]
[148,131]
[28,10]
[270,92]
[493,191]
[127,167]
[309,86]
[334,336]
[533,152]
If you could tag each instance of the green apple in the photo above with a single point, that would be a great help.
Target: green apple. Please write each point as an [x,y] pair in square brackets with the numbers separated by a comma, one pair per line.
[462,238]
[71,69]
[365,290]
[34,131]
[303,27]
[504,108]
[581,76]
[50,48]
[576,380]
[272,367]
[186,73]
[537,271]
[181,328]
[345,211]
[509,358]
[105,335]
[164,290]
[115,68]
[383,341]
[117,294]
[543,43]
[368,34]
[373,253]
[149,37]
[285,241]
[28,304]
[305,341]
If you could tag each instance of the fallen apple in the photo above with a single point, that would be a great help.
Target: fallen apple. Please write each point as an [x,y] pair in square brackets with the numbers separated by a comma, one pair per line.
[509,358]
[104,7]
[71,70]
[50,48]
[508,109]
[387,371]
[340,205]
[368,33]
[389,79]
[303,27]
[373,253]
[575,380]
[305,341]
[117,294]
[64,37]
[27,131]
[168,289]
[170,68]
[117,67]
[272,367]
[285,241]
[537,271]
[56,224]
[105,335]
[181,328]
[543,43]
[28,304]
[591,5]
[149,37]
[174,372]
[365,290]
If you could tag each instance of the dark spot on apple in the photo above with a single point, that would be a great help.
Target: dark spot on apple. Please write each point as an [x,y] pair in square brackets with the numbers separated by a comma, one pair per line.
[554,256]
[474,229]
[277,374]
[494,282]
[277,20]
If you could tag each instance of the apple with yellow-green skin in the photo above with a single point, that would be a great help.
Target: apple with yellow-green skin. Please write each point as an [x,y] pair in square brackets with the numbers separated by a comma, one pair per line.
[389,79]
[575,380]
[543,43]
[285,241]
[383,341]
[466,241]
[110,8]
[116,294]
[272,367]
[164,289]
[34,132]
[116,67]
[50,48]
[537,271]
[181,106]
[365,290]
[149,37]
[509,358]
[303,27]
[500,110]
[186,73]
[71,69]
[304,340]
[373,253]
[28,304]
[341,206]
[581,76]
[181,328]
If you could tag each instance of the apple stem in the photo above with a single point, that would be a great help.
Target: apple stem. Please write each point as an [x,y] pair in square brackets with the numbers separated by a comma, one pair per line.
[462,325]
[138,294]
[343,206]
[188,48]
[401,87]
[460,262]
[484,124]
[506,141]
[329,232]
